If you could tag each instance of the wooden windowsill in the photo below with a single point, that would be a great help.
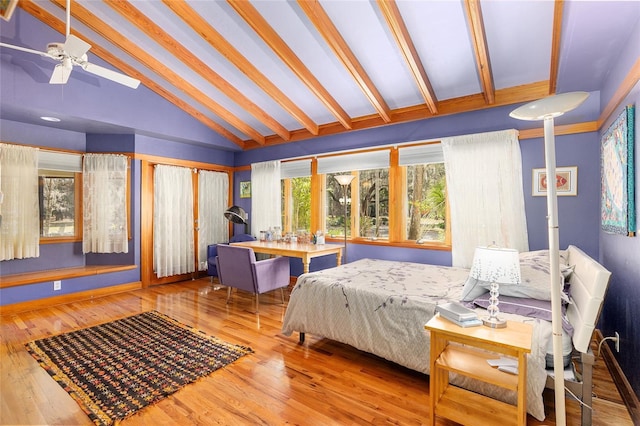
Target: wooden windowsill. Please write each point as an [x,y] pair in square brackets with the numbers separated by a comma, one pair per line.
[60,274]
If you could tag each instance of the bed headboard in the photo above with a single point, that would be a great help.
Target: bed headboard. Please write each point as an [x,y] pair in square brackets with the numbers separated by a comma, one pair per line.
[589,282]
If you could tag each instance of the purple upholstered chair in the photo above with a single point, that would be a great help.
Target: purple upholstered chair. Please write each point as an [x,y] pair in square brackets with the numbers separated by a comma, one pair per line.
[212,252]
[238,268]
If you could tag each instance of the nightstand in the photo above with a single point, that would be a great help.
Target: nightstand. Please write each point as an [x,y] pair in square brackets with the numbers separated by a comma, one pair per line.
[449,355]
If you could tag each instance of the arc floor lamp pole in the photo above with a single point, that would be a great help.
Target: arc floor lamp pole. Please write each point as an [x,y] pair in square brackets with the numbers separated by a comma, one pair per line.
[546,109]
[344,181]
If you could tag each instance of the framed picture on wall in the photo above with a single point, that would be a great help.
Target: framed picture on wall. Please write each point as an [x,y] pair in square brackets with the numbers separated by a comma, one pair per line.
[618,210]
[566,181]
[6,8]
[245,189]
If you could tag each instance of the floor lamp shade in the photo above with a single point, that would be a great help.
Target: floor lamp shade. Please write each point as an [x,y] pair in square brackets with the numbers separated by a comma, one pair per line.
[495,266]
[546,109]
[344,181]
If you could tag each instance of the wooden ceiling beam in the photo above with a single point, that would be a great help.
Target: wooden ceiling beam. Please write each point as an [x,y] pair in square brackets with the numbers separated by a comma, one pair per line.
[558,9]
[479,38]
[218,42]
[325,27]
[262,28]
[507,96]
[155,32]
[390,11]
[37,12]
[100,27]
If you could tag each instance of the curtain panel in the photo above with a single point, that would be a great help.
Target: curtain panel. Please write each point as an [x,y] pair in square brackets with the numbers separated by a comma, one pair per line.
[265,196]
[104,217]
[213,200]
[484,184]
[173,239]
[19,202]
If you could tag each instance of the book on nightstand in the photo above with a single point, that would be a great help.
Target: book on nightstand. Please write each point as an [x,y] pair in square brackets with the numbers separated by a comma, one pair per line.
[465,323]
[458,314]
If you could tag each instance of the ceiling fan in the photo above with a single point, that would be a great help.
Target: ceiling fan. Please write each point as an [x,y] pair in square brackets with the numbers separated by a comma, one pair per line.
[74,52]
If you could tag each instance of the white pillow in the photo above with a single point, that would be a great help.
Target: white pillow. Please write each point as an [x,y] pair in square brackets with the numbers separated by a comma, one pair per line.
[535,283]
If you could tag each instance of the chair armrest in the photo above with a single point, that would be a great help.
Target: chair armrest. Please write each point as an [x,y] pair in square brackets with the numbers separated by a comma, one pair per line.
[272,273]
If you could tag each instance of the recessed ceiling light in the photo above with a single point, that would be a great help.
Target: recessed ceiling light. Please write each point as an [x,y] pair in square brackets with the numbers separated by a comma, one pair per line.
[54,119]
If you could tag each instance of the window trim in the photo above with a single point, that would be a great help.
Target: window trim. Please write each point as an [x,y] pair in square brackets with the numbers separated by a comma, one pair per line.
[397,202]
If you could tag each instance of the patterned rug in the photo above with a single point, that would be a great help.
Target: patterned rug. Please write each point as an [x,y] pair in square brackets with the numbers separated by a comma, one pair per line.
[115,369]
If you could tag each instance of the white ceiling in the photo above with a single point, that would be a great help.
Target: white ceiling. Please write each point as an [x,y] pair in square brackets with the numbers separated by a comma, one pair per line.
[299,85]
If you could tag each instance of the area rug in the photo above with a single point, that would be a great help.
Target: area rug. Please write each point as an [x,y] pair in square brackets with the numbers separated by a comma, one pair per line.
[115,369]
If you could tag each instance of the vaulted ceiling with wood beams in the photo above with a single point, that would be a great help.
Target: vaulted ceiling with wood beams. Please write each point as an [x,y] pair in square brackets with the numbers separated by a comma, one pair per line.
[265,72]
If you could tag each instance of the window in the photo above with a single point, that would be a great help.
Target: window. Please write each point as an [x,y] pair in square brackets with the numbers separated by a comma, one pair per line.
[296,195]
[425,192]
[296,204]
[426,203]
[60,195]
[397,196]
[57,194]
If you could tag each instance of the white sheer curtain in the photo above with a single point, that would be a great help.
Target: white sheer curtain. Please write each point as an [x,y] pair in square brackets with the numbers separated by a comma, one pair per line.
[19,206]
[484,184]
[213,201]
[173,247]
[265,196]
[104,207]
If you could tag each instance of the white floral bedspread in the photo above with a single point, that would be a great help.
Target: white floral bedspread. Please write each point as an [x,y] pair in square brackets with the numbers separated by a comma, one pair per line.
[381,307]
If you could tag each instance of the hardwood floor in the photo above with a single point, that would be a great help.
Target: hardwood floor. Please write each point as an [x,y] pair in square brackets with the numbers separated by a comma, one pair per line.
[319,383]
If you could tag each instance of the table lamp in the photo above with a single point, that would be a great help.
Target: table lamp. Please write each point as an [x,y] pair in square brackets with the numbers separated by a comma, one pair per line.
[496,266]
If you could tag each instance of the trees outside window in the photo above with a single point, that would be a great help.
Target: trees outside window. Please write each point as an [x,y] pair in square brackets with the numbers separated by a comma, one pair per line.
[426,195]
[57,204]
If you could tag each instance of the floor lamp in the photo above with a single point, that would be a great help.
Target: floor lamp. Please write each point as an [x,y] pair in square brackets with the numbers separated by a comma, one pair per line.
[344,180]
[546,109]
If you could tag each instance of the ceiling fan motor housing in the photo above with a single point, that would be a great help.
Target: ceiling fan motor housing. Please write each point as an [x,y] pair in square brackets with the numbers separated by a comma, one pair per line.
[56,50]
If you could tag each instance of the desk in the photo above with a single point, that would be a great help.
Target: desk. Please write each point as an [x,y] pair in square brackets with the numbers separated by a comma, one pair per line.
[306,252]
[449,355]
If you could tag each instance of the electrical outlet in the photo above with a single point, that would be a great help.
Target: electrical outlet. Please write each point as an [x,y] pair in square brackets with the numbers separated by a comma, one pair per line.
[617,342]
[57,285]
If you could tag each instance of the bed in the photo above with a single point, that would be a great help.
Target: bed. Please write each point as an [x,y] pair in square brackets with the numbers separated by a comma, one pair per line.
[381,307]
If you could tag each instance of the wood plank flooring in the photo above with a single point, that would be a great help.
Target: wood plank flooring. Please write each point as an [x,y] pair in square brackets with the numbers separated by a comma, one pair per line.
[319,383]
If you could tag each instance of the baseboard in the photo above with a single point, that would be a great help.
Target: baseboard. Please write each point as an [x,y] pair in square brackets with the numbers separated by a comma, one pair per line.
[620,380]
[68,298]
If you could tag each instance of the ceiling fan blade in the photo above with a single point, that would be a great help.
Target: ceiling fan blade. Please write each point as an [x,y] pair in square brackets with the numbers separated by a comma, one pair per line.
[25,49]
[60,74]
[111,75]
[76,47]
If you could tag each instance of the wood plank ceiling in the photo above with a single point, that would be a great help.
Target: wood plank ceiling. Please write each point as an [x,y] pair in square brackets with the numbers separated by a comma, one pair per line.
[208,58]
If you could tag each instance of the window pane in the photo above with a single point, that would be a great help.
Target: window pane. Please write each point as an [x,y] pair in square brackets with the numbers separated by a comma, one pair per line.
[373,203]
[335,208]
[57,205]
[296,204]
[426,195]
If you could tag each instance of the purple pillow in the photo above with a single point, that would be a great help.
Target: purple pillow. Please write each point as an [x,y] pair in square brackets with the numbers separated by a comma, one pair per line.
[532,308]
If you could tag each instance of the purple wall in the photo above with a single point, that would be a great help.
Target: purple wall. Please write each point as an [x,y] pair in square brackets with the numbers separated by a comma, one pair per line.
[620,254]
[54,256]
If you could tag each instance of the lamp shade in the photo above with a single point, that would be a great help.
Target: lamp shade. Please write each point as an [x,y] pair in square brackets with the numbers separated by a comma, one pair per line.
[496,265]
[344,179]
[236,214]
[551,106]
